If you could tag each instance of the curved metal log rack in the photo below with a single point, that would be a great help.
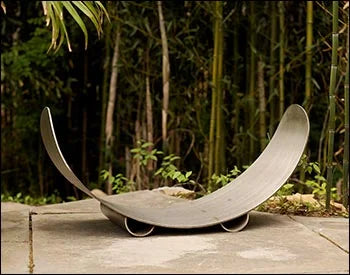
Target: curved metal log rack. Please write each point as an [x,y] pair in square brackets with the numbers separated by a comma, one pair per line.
[140,212]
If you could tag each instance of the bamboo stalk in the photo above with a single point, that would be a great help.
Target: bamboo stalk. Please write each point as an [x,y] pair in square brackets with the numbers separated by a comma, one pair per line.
[110,108]
[272,97]
[235,77]
[345,190]
[213,98]
[166,76]
[252,79]
[281,57]
[138,138]
[101,158]
[262,105]
[84,166]
[331,123]
[219,128]
[308,64]
[149,113]
[236,83]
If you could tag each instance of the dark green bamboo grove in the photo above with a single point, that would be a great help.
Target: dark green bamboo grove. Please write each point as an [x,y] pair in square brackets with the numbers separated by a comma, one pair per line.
[205,81]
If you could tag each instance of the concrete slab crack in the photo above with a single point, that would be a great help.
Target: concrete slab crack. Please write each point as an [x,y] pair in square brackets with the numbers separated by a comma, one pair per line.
[31,256]
[62,213]
[333,242]
[320,234]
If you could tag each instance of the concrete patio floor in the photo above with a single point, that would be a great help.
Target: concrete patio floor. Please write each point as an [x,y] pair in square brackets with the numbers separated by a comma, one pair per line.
[75,237]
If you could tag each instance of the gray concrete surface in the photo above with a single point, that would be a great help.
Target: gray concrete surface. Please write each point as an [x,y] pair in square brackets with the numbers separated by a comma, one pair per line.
[334,229]
[14,238]
[76,238]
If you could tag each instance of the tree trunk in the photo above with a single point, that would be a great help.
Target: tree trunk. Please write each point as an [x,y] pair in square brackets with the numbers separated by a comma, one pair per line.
[110,108]
[166,76]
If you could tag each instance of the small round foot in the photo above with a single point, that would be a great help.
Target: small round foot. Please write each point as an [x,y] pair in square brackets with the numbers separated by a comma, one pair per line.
[236,224]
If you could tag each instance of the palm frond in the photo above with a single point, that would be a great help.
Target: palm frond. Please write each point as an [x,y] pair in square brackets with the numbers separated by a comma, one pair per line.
[54,12]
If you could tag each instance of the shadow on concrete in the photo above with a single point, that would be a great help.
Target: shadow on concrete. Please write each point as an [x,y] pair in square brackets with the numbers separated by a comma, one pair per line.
[256,221]
[73,225]
[98,227]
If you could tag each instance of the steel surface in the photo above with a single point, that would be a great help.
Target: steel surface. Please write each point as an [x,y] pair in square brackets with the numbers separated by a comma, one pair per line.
[225,206]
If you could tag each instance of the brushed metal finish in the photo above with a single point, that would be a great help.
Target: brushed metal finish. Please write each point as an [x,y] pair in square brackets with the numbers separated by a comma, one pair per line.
[254,186]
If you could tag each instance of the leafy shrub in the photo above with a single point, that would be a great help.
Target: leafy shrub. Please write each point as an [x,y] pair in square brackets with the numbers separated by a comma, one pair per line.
[120,184]
[27,199]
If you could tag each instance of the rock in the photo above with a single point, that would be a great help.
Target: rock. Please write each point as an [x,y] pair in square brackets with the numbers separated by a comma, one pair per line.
[338,206]
[176,192]
[299,198]
[98,192]
[302,198]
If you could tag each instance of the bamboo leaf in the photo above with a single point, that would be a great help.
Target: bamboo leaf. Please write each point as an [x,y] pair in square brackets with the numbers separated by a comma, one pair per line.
[89,13]
[99,4]
[77,19]
[3,6]
[58,24]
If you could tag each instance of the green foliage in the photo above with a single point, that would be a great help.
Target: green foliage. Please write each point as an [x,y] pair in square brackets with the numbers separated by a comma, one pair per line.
[222,180]
[309,167]
[119,183]
[30,79]
[142,153]
[319,188]
[167,168]
[285,190]
[317,183]
[54,10]
[169,171]
[28,67]
[27,199]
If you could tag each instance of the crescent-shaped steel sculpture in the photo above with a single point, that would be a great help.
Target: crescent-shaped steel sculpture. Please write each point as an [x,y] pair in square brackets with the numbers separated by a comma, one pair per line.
[140,212]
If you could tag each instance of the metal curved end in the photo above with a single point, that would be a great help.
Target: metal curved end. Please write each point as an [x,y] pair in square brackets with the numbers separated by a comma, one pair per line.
[138,229]
[236,224]
[134,227]
[53,149]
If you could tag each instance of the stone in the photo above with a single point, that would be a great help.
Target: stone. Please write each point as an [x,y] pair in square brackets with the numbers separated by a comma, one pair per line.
[98,192]
[176,192]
